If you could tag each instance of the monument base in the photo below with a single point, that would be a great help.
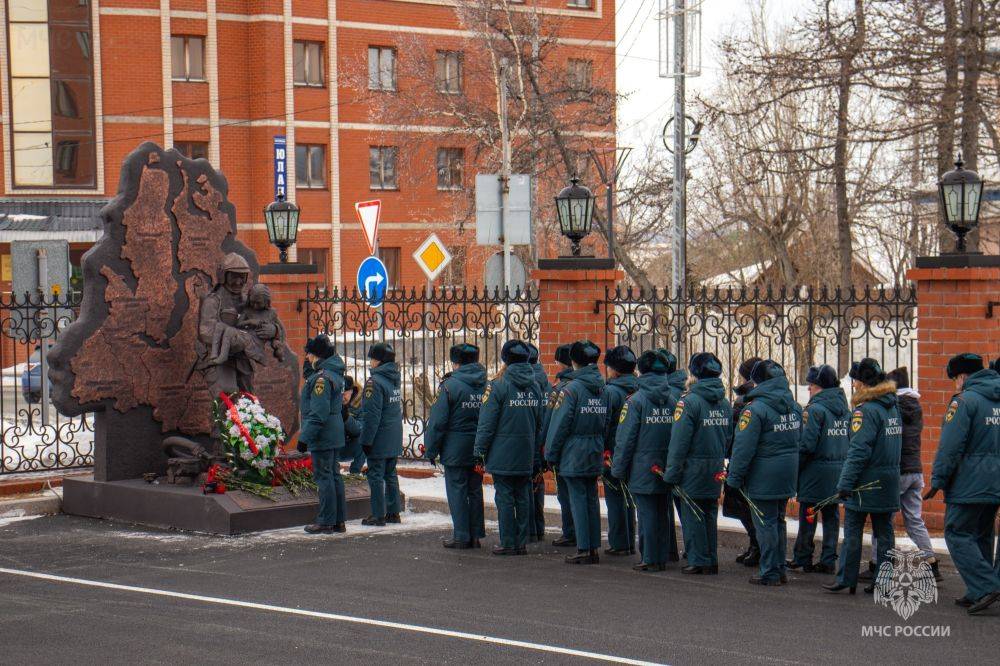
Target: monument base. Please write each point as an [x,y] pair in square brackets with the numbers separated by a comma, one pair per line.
[185,507]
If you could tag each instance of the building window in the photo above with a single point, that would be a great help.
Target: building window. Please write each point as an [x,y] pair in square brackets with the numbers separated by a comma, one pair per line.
[381,68]
[453,274]
[449,168]
[579,4]
[310,166]
[51,103]
[579,73]
[187,57]
[319,257]
[382,167]
[308,63]
[390,257]
[448,72]
[193,150]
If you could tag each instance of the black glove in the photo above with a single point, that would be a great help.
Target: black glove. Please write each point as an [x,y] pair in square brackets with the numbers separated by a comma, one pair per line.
[844,494]
[367,450]
[302,447]
[931,493]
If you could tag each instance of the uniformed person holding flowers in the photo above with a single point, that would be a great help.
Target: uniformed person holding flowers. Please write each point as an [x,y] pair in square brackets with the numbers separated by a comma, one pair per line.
[695,460]
[620,362]
[536,526]
[967,469]
[765,463]
[567,539]
[323,429]
[382,433]
[450,436]
[869,480]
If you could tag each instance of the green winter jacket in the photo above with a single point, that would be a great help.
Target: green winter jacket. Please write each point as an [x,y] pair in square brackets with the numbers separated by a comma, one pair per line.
[823,445]
[507,434]
[563,378]
[382,413]
[541,378]
[574,443]
[967,464]
[765,459]
[873,454]
[644,435]
[678,383]
[320,405]
[698,439]
[454,416]
[616,392]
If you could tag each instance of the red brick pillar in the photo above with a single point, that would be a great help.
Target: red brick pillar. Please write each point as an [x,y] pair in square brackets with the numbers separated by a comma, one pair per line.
[953,316]
[287,289]
[570,308]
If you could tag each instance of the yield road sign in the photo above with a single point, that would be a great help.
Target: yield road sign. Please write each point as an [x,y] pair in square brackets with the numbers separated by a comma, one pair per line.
[432,257]
[368,213]
[373,280]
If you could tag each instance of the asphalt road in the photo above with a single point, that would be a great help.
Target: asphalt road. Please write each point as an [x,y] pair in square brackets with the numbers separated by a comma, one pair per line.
[406,577]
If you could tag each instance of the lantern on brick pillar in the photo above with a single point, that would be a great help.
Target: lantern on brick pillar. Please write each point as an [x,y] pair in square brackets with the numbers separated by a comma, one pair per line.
[961,193]
[575,207]
[282,220]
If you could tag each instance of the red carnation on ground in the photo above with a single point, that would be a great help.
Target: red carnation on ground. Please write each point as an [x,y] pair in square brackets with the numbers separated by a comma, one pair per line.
[720,476]
[657,470]
[220,488]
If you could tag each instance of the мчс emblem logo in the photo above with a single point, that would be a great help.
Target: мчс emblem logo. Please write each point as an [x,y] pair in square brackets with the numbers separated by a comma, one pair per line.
[905,582]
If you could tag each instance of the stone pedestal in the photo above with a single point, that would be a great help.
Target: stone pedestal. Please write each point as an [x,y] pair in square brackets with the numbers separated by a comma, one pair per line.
[954,315]
[570,307]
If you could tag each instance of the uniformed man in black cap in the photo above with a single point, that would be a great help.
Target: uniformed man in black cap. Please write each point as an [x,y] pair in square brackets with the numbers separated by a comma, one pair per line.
[574,446]
[967,469]
[382,433]
[536,526]
[622,383]
[568,537]
[450,436]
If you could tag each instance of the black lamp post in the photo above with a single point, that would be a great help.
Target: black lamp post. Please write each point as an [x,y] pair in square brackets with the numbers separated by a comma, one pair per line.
[575,207]
[282,219]
[961,193]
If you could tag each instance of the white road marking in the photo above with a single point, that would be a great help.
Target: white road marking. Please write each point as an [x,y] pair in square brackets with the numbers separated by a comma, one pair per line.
[402,626]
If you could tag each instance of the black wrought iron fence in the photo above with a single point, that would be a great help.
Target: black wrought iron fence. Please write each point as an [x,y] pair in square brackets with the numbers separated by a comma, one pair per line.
[34,436]
[422,325]
[797,328]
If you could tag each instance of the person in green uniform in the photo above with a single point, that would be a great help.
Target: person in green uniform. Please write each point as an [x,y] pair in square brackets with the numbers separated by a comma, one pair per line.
[507,440]
[574,446]
[352,427]
[640,456]
[967,469]
[450,436]
[677,378]
[822,449]
[567,538]
[382,434]
[536,526]
[698,442]
[869,480]
[323,429]
[620,362]
[765,463]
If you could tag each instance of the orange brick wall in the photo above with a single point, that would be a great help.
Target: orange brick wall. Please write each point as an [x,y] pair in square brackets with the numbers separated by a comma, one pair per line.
[951,311]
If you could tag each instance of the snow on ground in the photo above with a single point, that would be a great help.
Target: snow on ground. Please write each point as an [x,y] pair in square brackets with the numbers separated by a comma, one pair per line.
[15,516]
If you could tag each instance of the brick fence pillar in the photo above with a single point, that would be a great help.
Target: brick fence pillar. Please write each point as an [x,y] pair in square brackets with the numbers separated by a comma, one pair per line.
[570,308]
[953,316]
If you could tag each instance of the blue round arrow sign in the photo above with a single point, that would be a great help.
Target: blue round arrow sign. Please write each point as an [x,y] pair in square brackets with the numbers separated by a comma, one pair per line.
[373,279]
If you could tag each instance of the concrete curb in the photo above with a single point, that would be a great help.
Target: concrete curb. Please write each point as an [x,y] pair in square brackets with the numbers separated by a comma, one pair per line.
[43,504]
[729,537]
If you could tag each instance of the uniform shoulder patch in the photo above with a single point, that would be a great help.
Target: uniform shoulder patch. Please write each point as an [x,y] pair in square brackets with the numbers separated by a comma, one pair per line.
[320,386]
[559,399]
[952,408]
[486,393]
[623,413]
[857,419]
[369,388]
[745,417]
[805,417]
[679,410]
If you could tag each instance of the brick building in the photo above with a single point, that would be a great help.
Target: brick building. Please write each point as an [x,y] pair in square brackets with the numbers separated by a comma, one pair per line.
[83,82]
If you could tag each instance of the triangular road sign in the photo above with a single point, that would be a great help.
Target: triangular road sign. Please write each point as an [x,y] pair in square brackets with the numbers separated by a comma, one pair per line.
[368,215]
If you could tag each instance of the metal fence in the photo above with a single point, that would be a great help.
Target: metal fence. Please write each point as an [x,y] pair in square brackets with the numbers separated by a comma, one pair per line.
[797,328]
[422,325]
[33,435]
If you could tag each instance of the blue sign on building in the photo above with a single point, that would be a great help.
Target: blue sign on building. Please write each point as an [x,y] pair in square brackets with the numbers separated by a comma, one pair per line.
[373,280]
[280,166]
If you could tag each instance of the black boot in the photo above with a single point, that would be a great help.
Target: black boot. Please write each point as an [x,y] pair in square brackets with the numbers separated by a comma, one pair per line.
[757,580]
[392,518]
[372,521]
[837,587]
[753,558]
[457,545]
[794,566]
[500,550]
[583,557]
[937,572]
[340,527]
[564,542]
[742,556]
[693,570]
[984,603]
[617,552]
[316,528]
[649,567]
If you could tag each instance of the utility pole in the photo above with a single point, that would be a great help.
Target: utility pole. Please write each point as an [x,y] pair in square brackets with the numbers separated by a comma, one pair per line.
[504,177]
[679,245]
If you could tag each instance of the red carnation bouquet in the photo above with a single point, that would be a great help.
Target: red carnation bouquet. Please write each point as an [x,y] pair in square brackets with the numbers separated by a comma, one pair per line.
[815,509]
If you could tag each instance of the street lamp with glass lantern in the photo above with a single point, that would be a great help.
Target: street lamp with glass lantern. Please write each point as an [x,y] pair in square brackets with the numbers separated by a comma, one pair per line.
[961,193]
[575,207]
[282,220]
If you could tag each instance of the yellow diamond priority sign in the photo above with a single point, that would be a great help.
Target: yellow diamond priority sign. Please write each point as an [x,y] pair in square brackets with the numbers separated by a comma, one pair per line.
[432,257]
